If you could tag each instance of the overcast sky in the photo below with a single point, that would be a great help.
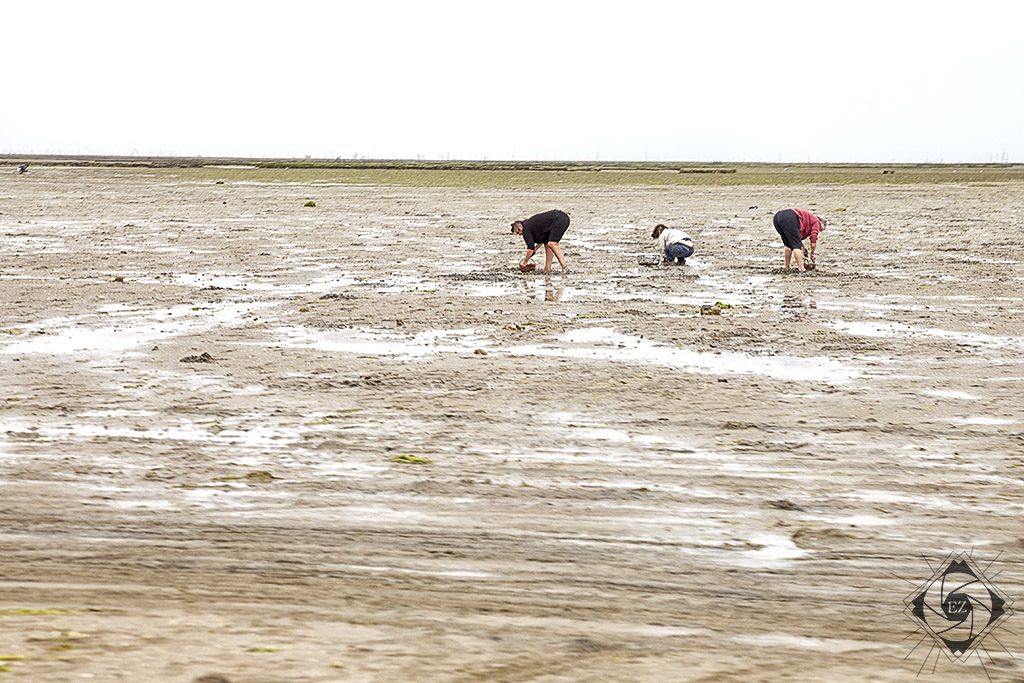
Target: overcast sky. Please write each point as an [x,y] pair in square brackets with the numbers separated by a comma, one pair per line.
[898,80]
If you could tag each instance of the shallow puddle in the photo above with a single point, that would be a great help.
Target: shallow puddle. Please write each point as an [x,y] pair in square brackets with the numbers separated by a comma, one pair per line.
[599,343]
[132,329]
[980,420]
[950,393]
[777,641]
[257,284]
[369,343]
[865,328]
[594,343]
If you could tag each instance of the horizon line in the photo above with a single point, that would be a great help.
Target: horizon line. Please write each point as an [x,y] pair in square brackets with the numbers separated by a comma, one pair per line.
[483,161]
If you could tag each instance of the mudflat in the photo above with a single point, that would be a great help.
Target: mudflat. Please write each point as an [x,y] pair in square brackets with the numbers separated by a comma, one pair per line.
[240,435]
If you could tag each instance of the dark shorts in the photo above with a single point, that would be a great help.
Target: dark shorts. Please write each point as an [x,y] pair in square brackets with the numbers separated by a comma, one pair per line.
[787,224]
[558,228]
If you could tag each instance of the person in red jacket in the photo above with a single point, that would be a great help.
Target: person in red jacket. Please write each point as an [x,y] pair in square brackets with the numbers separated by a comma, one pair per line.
[794,226]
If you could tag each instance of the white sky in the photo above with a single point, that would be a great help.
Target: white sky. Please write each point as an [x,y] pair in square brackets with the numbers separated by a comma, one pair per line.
[900,80]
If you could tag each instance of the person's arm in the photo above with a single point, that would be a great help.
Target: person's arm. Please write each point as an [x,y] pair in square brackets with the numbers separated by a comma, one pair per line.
[531,245]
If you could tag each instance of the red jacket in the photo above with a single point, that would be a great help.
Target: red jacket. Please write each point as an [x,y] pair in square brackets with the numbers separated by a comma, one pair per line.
[810,226]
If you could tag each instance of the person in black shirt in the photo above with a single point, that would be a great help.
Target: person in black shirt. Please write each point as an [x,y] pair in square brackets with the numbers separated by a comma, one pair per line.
[545,228]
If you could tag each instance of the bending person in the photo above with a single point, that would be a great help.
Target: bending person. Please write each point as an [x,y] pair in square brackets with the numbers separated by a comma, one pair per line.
[545,228]
[794,226]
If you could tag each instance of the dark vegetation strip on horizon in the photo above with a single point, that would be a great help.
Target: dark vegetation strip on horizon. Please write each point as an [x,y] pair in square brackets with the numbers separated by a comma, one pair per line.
[469,165]
[532,174]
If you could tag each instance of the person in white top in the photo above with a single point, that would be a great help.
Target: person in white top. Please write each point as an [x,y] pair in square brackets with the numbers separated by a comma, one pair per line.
[676,245]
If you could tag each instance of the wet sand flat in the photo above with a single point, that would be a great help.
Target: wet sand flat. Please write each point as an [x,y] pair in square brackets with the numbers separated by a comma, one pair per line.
[404,460]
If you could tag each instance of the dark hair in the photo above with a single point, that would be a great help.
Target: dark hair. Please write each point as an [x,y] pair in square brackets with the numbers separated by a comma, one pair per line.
[514,224]
[657,231]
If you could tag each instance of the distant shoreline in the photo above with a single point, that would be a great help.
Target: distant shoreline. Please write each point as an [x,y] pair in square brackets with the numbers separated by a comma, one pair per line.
[698,167]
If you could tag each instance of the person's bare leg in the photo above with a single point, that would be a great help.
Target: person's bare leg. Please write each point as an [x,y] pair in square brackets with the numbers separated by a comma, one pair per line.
[788,253]
[799,259]
[558,254]
[549,254]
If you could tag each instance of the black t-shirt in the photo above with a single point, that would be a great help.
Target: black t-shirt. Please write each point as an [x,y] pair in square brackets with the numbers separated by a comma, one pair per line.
[537,229]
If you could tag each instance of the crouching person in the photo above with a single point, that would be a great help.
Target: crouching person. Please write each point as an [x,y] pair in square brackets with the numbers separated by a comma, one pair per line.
[676,245]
